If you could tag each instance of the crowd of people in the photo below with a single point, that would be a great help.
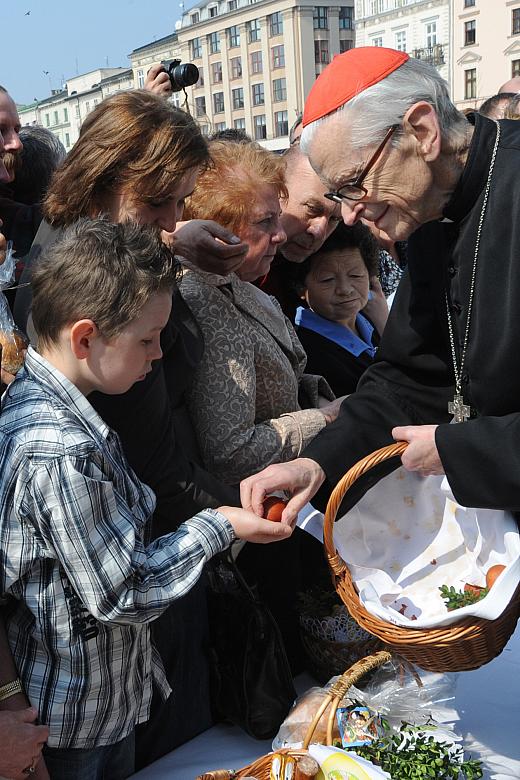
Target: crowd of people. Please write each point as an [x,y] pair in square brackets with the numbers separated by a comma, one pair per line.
[206,325]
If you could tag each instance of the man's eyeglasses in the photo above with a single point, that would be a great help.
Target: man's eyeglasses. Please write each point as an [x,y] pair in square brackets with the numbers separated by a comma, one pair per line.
[353,190]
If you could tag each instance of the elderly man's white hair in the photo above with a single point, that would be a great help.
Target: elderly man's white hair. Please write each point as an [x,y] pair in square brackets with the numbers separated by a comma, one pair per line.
[370,113]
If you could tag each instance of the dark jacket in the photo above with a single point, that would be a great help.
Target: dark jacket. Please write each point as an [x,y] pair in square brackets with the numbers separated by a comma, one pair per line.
[412,380]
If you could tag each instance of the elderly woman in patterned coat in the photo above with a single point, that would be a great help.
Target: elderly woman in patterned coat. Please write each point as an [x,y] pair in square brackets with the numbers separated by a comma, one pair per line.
[251,402]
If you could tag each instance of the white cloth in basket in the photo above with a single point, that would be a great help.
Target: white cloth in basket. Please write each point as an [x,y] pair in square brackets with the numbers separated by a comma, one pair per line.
[407,536]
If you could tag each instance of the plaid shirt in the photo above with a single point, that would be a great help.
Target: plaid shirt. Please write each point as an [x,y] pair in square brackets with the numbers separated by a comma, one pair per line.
[83,584]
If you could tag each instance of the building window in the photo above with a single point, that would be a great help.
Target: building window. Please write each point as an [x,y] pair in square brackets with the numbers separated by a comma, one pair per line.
[515,21]
[239,124]
[236,68]
[87,107]
[400,40]
[214,43]
[218,103]
[257,91]
[56,120]
[140,79]
[320,17]
[431,34]
[195,17]
[232,5]
[220,126]
[260,128]
[279,90]
[256,62]
[376,6]
[200,82]
[213,11]
[65,115]
[276,24]
[377,41]
[281,123]
[470,83]
[346,18]
[515,68]
[196,48]
[216,73]
[278,56]
[234,36]
[470,32]
[345,44]
[321,52]
[253,31]
[67,140]
[238,98]
[78,115]
[469,3]
[204,129]
[47,123]
[200,106]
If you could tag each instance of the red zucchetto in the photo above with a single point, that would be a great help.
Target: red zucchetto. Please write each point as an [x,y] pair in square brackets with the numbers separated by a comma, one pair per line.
[347,75]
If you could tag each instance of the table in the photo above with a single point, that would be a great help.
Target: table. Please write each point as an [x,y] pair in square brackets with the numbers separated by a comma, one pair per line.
[487,702]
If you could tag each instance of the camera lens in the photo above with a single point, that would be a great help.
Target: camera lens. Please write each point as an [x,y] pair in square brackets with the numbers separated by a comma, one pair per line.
[183,75]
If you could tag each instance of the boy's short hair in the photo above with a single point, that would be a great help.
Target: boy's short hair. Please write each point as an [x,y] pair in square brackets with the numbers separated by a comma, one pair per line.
[357,236]
[99,271]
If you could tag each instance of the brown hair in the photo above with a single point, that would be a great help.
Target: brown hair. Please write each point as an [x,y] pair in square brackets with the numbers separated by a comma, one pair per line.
[226,191]
[134,142]
[100,271]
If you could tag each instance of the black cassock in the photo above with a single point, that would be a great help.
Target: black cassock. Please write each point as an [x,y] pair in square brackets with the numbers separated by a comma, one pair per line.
[412,380]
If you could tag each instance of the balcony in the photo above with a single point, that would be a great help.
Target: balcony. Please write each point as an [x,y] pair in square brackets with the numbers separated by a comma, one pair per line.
[433,55]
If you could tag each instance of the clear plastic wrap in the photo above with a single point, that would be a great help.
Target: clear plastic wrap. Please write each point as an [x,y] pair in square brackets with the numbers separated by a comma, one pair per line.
[12,340]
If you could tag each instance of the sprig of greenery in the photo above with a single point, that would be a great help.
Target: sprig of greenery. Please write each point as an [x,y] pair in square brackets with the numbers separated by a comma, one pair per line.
[411,754]
[455,599]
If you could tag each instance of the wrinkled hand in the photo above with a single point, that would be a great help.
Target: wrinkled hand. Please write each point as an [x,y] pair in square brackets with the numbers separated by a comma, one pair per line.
[421,455]
[377,309]
[208,245]
[331,410]
[21,742]
[253,528]
[299,478]
[158,81]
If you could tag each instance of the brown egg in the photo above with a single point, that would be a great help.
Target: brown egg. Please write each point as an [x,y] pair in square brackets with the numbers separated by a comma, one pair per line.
[273,508]
[493,573]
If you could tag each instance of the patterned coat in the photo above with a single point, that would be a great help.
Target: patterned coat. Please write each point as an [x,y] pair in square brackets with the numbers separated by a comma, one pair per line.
[245,400]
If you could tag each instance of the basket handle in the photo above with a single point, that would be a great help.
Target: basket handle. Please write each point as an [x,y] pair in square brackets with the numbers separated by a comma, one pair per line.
[340,688]
[336,563]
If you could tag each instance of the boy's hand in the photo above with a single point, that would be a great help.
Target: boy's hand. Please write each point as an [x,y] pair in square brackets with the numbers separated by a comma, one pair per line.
[252,528]
[3,245]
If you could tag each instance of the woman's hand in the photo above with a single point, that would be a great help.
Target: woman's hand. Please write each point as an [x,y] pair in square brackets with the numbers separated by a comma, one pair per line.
[300,478]
[21,742]
[207,245]
[331,410]
[421,455]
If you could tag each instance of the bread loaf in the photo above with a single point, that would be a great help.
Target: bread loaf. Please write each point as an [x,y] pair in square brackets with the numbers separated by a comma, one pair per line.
[13,345]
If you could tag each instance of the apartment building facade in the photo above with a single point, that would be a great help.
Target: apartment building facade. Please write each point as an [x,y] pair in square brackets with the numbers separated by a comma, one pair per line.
[419,27]
[64,110]
[486,47]
[258,60]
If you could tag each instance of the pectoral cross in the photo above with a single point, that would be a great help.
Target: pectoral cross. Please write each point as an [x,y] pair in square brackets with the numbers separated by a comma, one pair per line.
[460,411]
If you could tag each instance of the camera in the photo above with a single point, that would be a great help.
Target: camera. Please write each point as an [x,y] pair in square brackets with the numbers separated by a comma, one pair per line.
[181,76]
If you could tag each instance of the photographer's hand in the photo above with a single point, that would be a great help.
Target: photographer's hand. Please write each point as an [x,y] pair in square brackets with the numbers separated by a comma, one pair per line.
[158,81]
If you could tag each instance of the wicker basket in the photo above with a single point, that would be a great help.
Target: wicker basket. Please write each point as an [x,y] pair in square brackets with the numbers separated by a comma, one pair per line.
[260,768]
[467,644]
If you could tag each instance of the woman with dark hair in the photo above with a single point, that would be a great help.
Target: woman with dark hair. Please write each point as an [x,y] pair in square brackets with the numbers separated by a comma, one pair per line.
[340,341]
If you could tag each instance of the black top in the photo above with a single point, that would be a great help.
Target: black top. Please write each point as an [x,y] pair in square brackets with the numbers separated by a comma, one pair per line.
[412,378]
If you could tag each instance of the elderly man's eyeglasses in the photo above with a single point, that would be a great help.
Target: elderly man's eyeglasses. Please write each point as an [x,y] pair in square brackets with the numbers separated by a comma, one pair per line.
[353,190]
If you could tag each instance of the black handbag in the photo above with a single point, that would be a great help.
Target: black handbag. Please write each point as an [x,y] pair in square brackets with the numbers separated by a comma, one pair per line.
[251,681]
